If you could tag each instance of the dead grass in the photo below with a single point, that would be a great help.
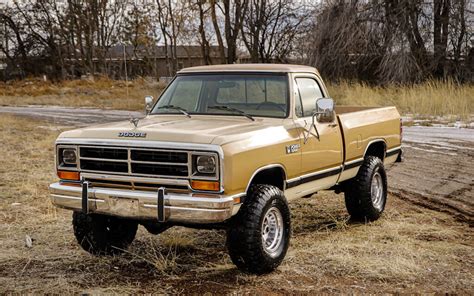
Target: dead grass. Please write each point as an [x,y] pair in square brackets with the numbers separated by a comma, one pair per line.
[98,93]
[407,246]
[432,98]
[409,250]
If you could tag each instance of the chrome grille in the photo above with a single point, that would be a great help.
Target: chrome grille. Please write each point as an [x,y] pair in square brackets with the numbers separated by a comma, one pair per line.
[135,161]
[103,165]
[106,153]
[159,156]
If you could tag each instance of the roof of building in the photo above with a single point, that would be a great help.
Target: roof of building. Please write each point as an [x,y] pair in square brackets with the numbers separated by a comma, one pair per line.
[282,68]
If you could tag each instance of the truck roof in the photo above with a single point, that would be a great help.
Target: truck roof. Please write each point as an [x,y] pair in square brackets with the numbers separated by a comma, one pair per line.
[281,68]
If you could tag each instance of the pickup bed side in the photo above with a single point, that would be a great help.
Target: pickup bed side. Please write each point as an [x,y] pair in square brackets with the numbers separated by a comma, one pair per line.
[368,130]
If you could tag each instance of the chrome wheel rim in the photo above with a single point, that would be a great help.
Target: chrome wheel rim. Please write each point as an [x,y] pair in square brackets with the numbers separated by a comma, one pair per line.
[272,232]
[377,191]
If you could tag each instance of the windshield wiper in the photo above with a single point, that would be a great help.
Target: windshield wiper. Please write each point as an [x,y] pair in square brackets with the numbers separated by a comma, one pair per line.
[182,110]
[233,110]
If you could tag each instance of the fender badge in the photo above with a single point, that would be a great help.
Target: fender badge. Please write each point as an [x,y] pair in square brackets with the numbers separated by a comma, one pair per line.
[292,148]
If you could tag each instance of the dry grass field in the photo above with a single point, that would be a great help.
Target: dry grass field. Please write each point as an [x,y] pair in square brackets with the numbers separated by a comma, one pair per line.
[409,250]
[432,98]
[98,93]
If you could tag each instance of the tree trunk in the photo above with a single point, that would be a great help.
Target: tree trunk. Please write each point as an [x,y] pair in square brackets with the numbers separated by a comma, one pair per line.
[220,42]
[204,42]
[441,10]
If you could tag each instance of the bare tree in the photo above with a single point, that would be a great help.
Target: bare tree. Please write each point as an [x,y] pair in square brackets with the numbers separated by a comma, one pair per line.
[204,41]
[441,13]
[391,40]
[376,40]
[342,45]
[233,13]
[271,27]
[458,32]
[108,21]
[171,19]
[40,22]
[15,36]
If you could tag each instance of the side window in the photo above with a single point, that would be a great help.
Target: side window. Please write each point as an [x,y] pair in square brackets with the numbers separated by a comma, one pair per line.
[309,91]
[298,105]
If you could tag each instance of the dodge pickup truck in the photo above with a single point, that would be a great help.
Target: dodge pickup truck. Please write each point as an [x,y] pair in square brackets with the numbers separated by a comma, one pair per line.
[226,146]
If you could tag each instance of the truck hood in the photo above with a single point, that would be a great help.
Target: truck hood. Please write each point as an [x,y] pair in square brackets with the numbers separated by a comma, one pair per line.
[199,129]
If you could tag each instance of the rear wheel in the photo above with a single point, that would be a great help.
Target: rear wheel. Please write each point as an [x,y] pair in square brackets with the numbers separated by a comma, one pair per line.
[259,236]
[366,194]
[103,235]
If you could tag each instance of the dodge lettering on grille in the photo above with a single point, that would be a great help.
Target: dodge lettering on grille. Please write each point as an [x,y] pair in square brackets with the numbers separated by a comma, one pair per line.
[132,134]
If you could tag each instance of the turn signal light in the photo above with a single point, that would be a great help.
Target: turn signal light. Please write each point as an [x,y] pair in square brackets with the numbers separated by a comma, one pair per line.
[205,185]
[68,175]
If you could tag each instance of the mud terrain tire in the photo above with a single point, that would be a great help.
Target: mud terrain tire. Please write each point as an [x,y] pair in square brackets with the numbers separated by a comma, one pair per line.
[366,194]
[259,234]
[103,235]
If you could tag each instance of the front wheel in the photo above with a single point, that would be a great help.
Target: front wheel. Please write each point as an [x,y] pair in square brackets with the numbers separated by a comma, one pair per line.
[366,194]
[259,236]
[103,235]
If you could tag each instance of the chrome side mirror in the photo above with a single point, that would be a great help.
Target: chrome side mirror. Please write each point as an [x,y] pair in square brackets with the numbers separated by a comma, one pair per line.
[148,104]
[324,110]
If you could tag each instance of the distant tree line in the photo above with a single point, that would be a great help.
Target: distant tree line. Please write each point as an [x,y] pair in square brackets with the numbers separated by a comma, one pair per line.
[374,40]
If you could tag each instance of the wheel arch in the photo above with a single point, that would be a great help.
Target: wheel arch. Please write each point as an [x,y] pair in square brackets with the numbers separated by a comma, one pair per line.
[377,148]
[273,174]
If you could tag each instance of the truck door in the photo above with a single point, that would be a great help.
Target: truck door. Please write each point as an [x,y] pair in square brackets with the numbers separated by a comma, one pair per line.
[321,143]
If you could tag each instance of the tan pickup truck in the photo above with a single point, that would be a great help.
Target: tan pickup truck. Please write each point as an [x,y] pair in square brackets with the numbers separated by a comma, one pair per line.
[226,147]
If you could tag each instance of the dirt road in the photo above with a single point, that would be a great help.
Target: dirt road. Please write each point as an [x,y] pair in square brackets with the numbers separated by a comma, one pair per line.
[70,116]
[438,172]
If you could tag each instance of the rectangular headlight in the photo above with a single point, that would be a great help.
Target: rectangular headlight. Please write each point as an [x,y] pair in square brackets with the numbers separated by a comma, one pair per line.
[205,165]
[67,157]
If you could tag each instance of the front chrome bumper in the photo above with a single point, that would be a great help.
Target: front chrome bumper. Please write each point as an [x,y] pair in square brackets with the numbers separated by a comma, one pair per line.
[188,208]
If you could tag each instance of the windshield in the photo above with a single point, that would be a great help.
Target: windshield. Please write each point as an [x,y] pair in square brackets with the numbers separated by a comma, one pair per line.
[248,95]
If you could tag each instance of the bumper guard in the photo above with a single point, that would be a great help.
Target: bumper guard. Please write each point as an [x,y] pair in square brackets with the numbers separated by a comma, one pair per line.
[162,206]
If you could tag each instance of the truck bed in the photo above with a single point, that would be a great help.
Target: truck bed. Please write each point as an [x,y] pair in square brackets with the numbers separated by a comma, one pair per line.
[362,126]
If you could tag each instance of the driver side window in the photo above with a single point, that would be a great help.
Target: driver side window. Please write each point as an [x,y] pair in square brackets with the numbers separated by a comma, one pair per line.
[307,94]
[186,94]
